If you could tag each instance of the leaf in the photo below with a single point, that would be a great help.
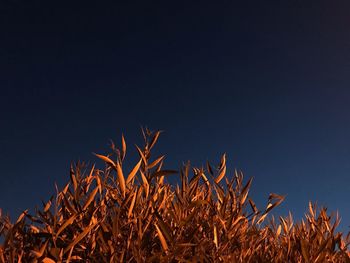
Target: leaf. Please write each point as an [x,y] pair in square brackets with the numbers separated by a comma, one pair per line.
[271,206]
[92,171]
[78,238]
[244,197]
[321,249]
[133,172]
[311,210]
[276,196]
[40,253]
[215,237]
[123,147]
[305,250]
[91,198]
[205,179]
[165,228]
[132,205]
[105,159]
[145,183]
[22,216]
[261,219]
[143,133]
[246,187]
[161,238]
[253,206]
[154,139]
[221,175]
[223,161]
[210,170]
[279,229]
[121,179]
[73,179]
[47,206]
[99,185]
[141,155]
[284,224]
[67,223]
[154,163]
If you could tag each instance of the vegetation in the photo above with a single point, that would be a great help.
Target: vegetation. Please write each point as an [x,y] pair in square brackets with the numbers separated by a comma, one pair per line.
[114,215]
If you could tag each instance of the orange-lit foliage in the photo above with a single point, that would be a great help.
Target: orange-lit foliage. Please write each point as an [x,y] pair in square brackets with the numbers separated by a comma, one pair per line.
[132,215]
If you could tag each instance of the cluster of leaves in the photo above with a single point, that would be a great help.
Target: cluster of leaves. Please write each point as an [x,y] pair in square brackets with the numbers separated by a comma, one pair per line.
[112,216]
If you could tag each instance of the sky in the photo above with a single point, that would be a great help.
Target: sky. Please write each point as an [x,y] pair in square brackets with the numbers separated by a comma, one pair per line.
[266,82]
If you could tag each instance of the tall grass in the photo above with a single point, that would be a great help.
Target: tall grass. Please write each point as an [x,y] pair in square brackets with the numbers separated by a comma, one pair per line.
[119,215]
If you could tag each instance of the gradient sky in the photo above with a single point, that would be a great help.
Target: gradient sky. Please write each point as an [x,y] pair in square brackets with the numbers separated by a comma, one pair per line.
[267,82]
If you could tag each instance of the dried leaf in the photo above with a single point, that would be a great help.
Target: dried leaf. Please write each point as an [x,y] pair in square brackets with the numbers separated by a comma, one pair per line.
[305,250]
[141,155]
[154,163]
[73,179]
[132,205]
[40,253]
[91,198]
[154,139]
[105,159]
[145,183]
[121,179]
[67,223]
[123,147]
[253,206]
[78,238]
[24,213]
[161,238]
[216,237]
[47,206]
[221,174]
[133,172]
[278,232]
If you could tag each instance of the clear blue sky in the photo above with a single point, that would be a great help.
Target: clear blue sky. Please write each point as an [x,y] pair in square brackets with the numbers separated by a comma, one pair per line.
[267,82]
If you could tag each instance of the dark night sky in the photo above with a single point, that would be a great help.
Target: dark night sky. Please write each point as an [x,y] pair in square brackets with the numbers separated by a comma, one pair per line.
[265,81]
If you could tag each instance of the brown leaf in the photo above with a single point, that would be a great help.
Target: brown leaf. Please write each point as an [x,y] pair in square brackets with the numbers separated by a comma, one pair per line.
[221,174]
[78,238]
[154,163]
[73,179]
[91,198]
[145,183]
[67,223]
[154,139]
[105,159]
[246,187]
[47,206]
[40,253]
[132,205]
[22,216]
[121,179]
[141,155]
[253,206]
[133,172]
[216,237]
[161,238]
[210,169]
[223,161]
[123,147]
[305,250]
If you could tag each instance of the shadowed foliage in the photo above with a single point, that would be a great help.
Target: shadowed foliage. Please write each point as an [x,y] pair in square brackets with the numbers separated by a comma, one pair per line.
[116,214]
